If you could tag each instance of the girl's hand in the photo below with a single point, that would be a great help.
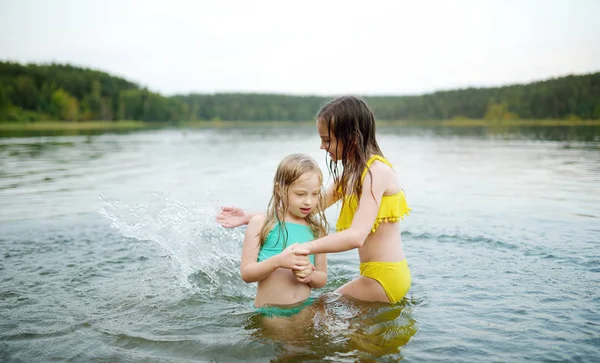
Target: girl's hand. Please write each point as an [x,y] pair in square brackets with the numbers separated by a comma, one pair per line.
[307,270]
[305,275]
[231,217]
[288,259]
[305,280]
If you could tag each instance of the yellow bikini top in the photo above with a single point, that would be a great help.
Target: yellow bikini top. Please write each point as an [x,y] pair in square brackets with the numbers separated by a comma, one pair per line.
[392,209]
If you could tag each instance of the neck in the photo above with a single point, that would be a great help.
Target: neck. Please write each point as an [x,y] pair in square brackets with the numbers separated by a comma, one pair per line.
[290,218]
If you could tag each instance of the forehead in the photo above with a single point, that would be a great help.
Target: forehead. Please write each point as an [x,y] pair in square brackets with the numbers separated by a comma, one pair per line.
[322,128]
[308,181]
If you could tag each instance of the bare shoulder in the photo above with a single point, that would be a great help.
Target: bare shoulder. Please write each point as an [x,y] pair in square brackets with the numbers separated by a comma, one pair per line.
[385,176]
[257,221]
[382,170]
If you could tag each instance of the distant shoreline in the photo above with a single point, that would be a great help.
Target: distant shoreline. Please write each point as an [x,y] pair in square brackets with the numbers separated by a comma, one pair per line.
[64,125]
[134,125]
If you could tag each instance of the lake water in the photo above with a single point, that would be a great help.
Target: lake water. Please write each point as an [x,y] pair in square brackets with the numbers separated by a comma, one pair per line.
[110,251]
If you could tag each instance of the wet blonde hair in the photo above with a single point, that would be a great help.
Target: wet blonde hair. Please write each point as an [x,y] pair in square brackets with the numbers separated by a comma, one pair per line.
[290,169]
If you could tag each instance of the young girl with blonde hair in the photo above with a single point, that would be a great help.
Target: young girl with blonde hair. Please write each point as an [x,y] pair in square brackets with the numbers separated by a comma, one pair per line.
[295,215]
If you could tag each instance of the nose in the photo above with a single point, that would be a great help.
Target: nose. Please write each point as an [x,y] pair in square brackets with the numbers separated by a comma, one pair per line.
[308,200]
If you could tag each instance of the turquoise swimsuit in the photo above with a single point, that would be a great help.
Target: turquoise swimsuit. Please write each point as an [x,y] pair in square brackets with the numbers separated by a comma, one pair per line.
[274,244]
[271,311]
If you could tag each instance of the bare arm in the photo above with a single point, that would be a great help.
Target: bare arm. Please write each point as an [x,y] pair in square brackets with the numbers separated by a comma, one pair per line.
[319,276]
[251,270]
[330,197]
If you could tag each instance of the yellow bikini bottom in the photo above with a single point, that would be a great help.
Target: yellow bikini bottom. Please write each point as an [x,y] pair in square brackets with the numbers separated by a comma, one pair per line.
[394,277]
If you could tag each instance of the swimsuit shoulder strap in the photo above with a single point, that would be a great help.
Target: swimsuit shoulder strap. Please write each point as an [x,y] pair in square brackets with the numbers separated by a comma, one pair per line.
[371,160]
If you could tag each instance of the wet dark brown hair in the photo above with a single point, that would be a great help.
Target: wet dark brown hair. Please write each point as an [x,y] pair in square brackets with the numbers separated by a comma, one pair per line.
[352,123]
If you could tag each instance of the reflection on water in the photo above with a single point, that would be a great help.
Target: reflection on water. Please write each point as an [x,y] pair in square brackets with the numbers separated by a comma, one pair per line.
[542,133]
[556,133]
[337,327]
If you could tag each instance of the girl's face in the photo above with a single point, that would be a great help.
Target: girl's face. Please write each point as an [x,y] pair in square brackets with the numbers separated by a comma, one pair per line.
[329,142]
[303,195]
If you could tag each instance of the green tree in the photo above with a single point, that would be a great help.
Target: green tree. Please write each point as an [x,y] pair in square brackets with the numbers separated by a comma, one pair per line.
[92,104]
[498,112]
[5,102]
[25,92]
[99,95]
[64,106]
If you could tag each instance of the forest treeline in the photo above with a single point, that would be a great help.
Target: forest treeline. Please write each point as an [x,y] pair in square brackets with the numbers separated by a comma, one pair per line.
[40,92]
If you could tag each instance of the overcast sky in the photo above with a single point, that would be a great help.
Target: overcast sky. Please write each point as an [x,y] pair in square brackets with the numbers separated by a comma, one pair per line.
[308,47]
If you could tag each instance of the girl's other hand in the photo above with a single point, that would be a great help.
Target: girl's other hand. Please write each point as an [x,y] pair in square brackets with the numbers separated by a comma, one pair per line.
[307,270]
[305,276]
[288,259]
[305,280]
[231,217]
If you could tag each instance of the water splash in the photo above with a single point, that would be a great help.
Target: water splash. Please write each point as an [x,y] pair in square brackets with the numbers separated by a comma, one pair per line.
[206,255]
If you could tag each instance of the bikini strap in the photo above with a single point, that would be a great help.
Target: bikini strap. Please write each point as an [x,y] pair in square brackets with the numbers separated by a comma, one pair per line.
[371,160]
